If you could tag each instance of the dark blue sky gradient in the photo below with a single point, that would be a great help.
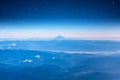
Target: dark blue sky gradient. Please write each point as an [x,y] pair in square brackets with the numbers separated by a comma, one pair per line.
[70,18]
[60,10]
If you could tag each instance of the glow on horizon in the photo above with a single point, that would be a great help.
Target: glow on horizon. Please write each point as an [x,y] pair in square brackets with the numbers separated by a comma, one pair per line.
[39,33]
[51,32]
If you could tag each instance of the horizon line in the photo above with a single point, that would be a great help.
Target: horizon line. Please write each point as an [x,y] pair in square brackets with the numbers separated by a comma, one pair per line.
[64,38]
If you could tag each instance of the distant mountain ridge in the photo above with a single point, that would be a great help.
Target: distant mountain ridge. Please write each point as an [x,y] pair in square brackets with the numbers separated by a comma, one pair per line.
[60,45]
[24,65]
[59,38]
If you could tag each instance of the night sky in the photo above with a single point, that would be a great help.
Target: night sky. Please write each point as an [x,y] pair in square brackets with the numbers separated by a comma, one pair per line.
[70,18]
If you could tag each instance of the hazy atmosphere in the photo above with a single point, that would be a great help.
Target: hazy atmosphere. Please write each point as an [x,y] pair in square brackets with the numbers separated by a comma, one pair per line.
[59,39]
[88,19]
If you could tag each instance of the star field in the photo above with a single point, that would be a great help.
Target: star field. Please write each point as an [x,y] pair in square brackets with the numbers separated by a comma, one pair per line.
[59,9]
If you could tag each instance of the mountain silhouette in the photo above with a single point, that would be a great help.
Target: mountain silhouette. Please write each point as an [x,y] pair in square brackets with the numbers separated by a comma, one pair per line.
[59,37]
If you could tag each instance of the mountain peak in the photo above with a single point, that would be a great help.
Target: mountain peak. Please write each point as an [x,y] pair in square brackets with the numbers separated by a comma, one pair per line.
[59,37]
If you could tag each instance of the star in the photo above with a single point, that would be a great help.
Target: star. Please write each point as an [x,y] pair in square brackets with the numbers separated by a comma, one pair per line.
[113,3]
[29,9]
[37,9]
